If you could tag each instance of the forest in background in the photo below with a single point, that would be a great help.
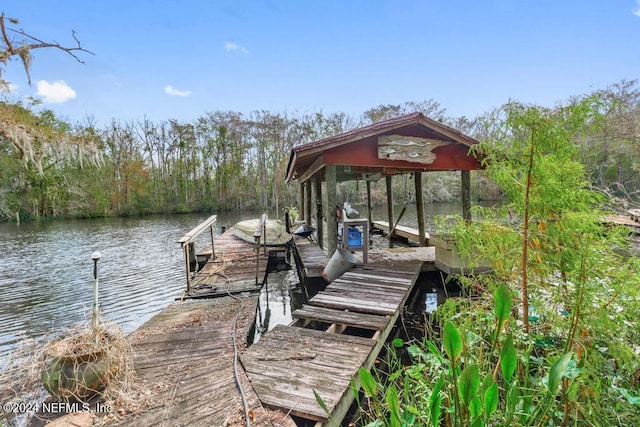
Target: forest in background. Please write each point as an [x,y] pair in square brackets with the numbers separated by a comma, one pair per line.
[226,160]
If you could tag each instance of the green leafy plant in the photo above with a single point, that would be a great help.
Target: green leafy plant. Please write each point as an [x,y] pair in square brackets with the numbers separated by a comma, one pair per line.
[532,342]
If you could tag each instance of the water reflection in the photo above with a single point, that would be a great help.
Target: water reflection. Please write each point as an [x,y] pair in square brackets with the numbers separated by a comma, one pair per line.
[46,272]
[278,298]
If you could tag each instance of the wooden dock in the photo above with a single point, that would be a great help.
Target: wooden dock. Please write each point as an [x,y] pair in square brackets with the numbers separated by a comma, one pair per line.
[341,329]
[408,233]
[238,266]
[310,259]
[184,356]
[631,221]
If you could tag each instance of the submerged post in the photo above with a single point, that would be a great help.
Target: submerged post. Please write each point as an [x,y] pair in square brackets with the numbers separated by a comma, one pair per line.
[95,257]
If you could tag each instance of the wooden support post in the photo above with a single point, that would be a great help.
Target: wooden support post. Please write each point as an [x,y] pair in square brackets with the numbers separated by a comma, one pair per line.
[422,235]
[213,246]
[302,204]
[318,190]
[330,210]
[466,195]
[264,237]
[186,259]
[257,258]
[389,199]
[260,234]
[307,207]
[369,213]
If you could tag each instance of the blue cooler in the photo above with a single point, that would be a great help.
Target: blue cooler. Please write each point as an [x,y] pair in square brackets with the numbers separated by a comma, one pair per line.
[354,237]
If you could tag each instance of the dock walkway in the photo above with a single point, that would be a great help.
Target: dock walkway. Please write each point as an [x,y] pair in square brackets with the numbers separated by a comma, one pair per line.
[310,259]
[339,330]
[408,233]
[632,221]
[234,268]
[184,358]
[184,355]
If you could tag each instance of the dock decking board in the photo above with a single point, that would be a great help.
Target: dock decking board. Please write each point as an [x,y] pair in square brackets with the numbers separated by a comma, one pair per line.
[290,362]
[234,268]
[329,373]
[380,275]
[184,356]
[311,257]
[373,287]
[373,307]
[401,230]
[342,317]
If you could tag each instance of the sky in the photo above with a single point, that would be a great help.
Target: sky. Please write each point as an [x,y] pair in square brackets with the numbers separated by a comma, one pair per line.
[161,59]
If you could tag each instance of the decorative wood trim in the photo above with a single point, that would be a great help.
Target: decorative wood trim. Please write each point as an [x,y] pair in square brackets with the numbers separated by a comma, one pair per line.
[408,148]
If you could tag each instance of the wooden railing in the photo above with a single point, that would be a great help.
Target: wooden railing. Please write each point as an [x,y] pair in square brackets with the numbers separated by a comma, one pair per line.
[188,244]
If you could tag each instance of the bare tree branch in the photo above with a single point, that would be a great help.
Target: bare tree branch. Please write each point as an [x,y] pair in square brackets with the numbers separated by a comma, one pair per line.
[29,42]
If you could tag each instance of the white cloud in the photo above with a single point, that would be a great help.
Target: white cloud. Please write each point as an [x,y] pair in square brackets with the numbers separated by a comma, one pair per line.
[170,90]
[230,47]
[636,10]
[55,92]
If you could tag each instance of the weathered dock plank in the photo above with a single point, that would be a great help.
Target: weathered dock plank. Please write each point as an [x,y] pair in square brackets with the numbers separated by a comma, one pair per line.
[184,359]
[289,363]
[341,317]
[359,305]
[379,274]
[360,293]
[401,231]
[373,288]
[391,257]
[238,265]
[310,258]
[632,221]
[290,383]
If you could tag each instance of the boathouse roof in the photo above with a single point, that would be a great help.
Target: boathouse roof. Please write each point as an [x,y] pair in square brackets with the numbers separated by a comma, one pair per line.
[404,144]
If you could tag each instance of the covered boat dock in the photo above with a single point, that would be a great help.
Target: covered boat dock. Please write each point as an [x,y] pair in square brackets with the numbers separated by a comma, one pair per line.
[410,144]
[346,324]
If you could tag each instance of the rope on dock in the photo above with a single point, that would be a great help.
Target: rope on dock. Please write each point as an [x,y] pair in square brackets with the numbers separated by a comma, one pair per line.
[235,361]
[219,270]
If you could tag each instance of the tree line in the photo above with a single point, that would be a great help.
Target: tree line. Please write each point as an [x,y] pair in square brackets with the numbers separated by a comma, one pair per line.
[227,160]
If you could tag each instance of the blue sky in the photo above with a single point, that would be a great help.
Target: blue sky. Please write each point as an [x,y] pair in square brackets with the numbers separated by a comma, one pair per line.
[179,59]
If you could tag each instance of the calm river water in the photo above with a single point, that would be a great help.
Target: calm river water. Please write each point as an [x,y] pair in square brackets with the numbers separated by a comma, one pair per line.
[46,271]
